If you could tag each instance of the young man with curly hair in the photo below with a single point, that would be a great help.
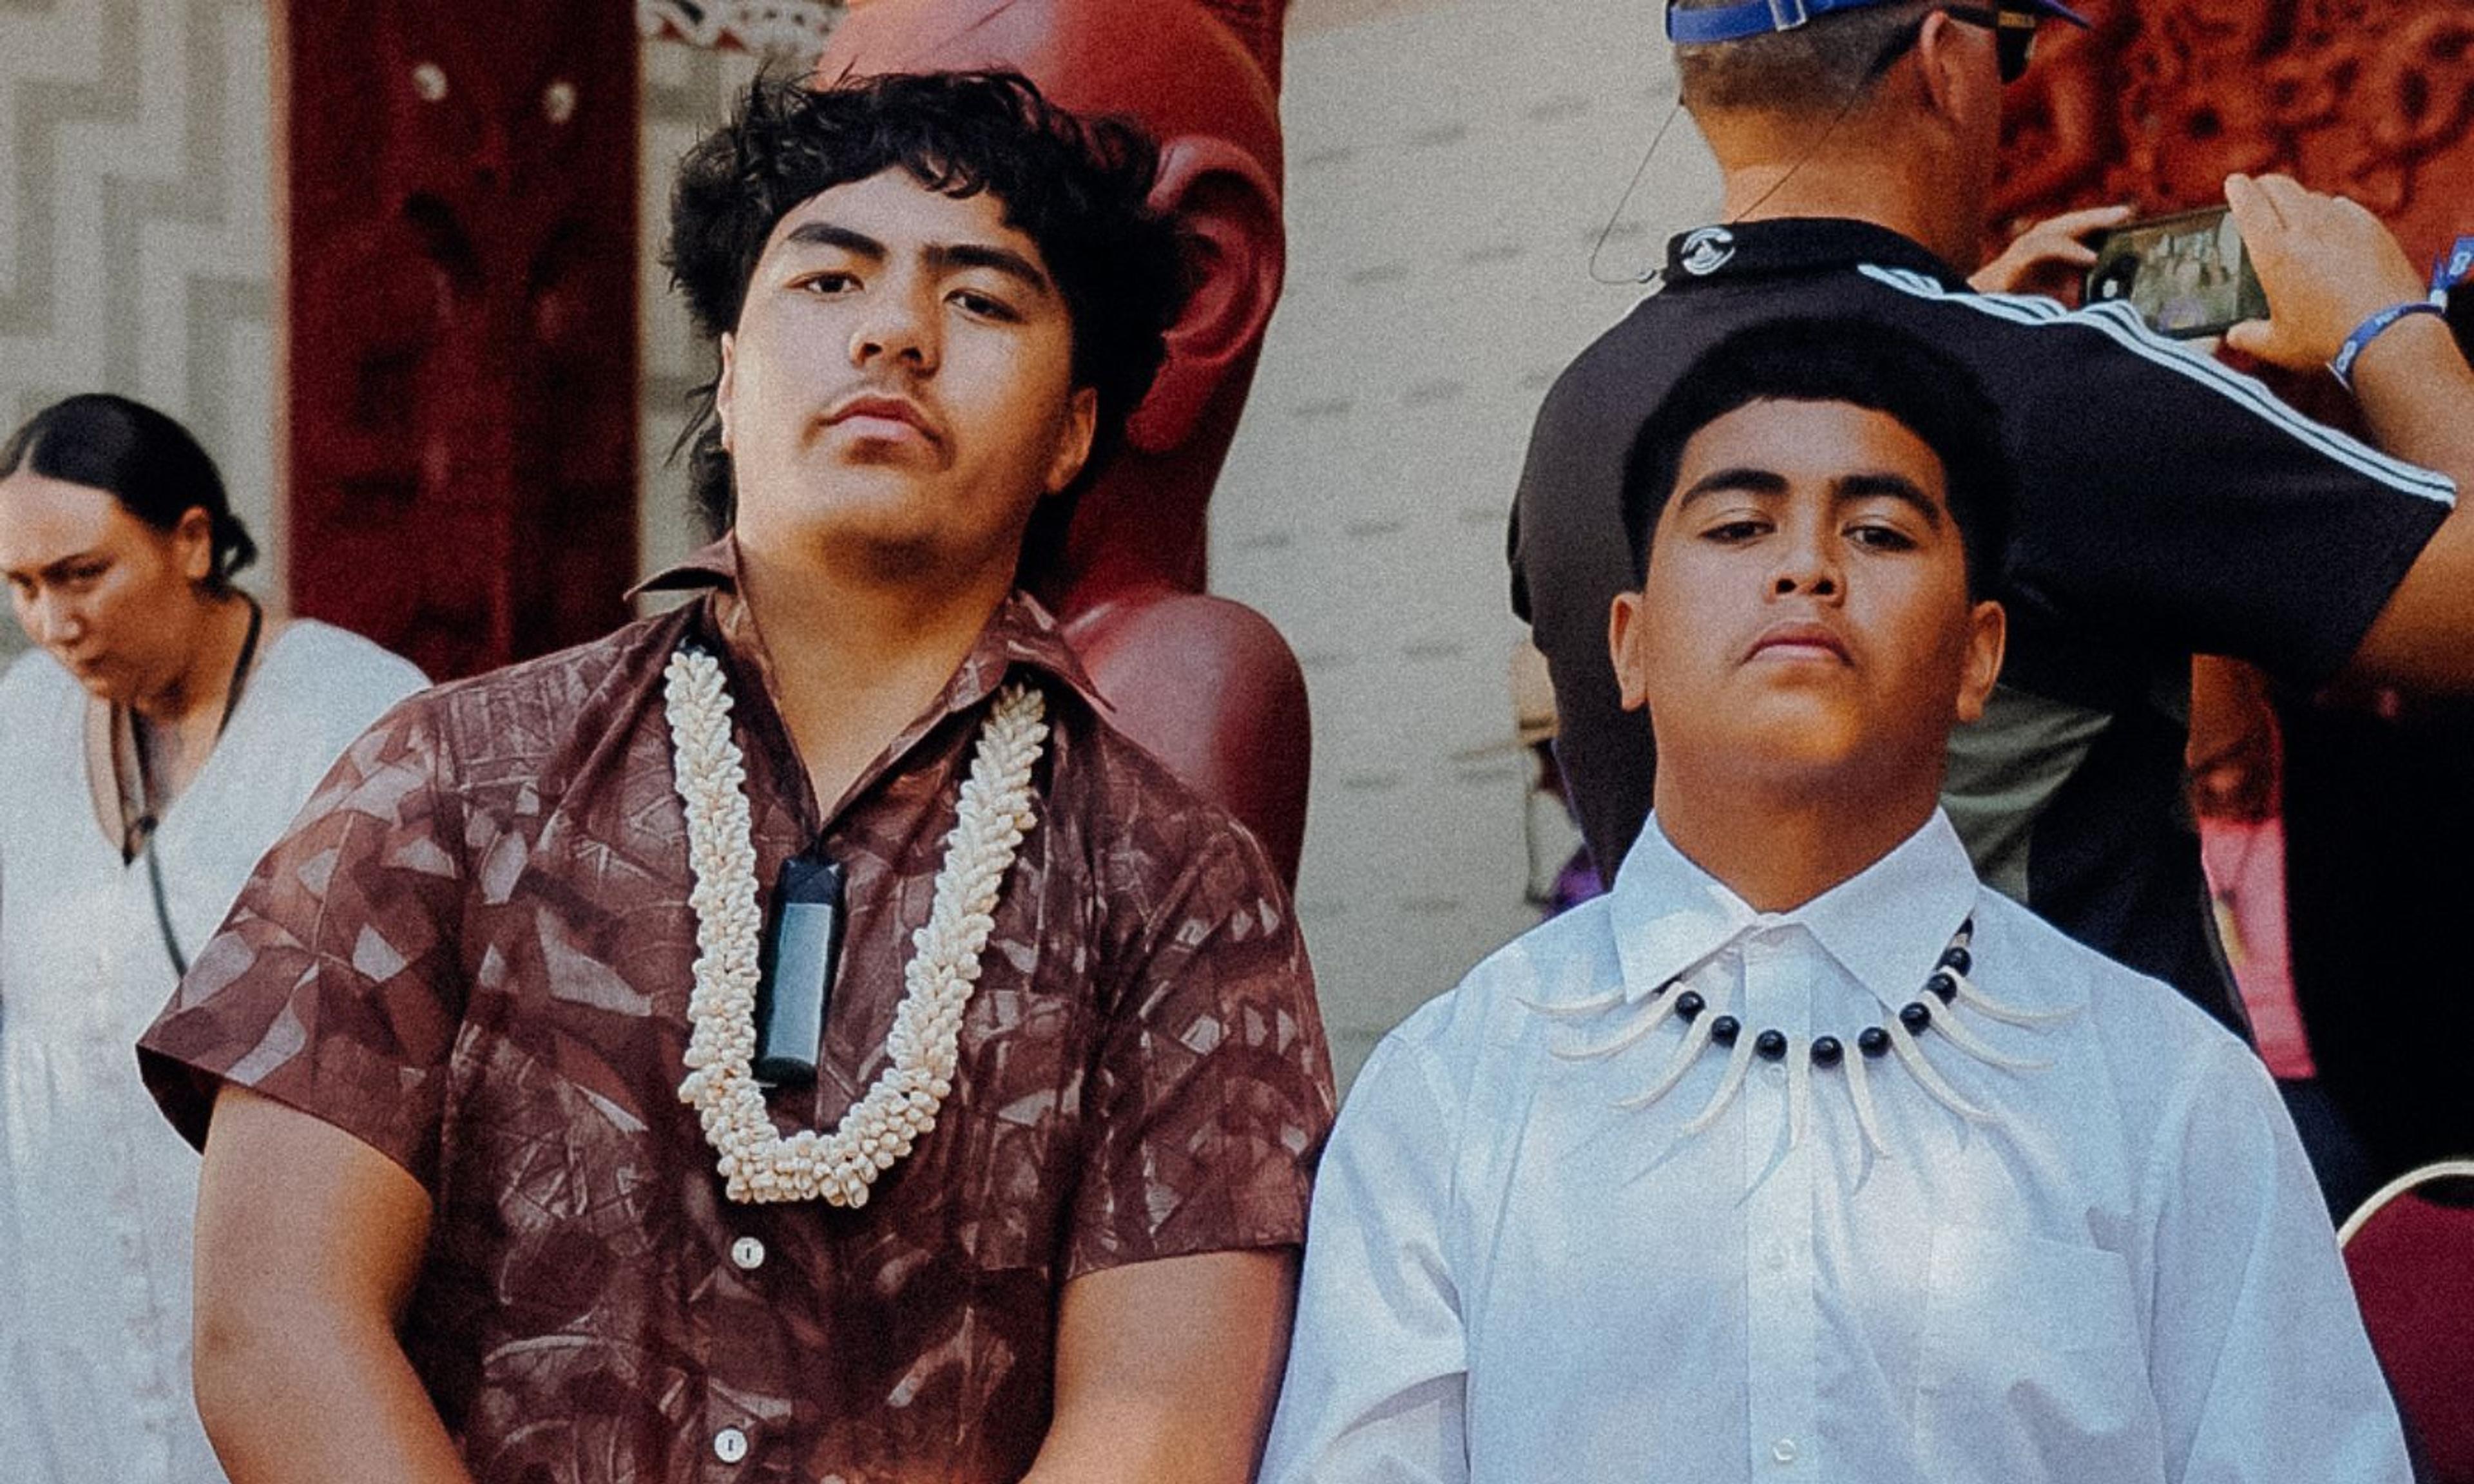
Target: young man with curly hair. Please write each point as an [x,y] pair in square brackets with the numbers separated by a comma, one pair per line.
[796,1036]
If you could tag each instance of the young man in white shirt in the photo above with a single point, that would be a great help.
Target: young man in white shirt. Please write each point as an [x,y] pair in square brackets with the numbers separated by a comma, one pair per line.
[1802,1154]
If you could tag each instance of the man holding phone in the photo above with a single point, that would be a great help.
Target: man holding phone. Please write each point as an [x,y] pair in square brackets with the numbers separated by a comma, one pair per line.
[2168,506]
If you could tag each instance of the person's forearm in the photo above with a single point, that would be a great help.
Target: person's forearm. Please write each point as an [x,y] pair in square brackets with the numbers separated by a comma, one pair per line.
[1144,1458]
[307,1397]
[2417,393]
[1167,1371]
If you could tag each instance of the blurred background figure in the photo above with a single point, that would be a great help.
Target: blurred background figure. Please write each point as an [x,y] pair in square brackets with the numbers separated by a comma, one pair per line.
[151,749]
[1560,873]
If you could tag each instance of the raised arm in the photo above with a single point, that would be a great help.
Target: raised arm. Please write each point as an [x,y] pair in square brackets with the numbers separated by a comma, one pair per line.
[1166,1370]
[2328,265]
[307,1245]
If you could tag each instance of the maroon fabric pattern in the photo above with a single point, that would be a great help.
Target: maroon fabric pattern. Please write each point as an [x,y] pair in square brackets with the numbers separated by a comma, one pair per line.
[473,953]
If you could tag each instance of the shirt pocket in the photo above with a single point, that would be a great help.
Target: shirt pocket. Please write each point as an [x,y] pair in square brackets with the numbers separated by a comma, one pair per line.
[2032,1366]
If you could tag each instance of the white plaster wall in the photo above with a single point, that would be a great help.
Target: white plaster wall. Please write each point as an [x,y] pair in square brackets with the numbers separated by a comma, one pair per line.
[135,238]
[1450,168]
[687,90]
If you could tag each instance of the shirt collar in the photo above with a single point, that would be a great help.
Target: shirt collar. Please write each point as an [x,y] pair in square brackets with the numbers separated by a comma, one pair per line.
[1020,631]
[1886,925]
[1792,245]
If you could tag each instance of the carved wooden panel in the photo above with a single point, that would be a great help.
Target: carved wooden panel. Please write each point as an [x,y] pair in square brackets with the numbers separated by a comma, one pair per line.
[2162,98]
[461,322]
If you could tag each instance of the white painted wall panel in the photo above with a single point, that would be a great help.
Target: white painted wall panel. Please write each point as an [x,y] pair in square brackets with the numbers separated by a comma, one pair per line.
[1450,168]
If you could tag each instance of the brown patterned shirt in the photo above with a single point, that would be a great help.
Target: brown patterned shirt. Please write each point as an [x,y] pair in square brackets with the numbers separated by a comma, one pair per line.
[473,952]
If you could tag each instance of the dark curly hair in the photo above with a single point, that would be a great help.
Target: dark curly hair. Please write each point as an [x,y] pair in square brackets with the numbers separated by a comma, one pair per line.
[1077,188]
[1802,359]
[141,458]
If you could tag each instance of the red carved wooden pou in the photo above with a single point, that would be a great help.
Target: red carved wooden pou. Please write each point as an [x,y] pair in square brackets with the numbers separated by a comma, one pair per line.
[460,322]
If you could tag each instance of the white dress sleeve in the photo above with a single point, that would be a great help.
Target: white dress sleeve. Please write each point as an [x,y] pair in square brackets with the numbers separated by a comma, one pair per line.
[2261,1367]
[1376,1389]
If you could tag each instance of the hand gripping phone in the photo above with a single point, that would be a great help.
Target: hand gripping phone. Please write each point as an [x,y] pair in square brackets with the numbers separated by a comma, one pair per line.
[2187,274]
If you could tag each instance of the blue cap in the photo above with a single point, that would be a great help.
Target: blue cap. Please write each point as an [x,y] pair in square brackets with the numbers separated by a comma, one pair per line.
[1757,17]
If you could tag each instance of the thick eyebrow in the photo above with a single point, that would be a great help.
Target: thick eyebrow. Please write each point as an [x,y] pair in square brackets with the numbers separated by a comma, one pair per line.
[55,570]
[1853,487]
[943,257]
[1740,480]
[1846,489]
[825,234]
[946,255]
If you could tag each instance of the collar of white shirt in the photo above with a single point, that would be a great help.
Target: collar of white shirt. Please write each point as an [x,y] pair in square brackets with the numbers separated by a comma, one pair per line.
[1886,925]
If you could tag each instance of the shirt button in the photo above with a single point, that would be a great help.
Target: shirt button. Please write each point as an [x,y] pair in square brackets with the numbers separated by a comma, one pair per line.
[730,1445]
[1784,1450]
[1776,1257]
[748,1253]
[1776,1073]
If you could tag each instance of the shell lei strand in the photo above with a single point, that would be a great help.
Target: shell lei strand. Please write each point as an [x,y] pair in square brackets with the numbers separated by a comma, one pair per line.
[757,1163]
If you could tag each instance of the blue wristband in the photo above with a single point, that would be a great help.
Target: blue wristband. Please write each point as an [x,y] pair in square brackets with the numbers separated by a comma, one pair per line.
[2369,330]
[2454,267]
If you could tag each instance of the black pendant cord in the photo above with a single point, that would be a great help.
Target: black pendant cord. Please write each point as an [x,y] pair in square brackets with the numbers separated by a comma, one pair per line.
[141,830]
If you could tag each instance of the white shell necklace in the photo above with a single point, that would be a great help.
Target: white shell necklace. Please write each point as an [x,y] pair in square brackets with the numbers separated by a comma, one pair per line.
[757,1163]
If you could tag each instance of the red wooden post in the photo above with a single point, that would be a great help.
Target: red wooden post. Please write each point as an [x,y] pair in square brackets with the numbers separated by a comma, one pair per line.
[460,319]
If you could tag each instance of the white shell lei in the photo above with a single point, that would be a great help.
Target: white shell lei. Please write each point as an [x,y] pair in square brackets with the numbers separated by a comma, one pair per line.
[900,1107]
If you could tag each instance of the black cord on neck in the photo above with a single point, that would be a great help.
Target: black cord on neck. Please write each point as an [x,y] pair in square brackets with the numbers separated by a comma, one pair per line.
[141,830]
[1891,51]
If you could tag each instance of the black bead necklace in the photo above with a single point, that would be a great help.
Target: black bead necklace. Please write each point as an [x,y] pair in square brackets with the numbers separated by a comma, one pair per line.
[1944,990]
[1872,1041]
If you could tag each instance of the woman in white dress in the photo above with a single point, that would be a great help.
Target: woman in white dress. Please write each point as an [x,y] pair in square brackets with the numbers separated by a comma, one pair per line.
[151,749]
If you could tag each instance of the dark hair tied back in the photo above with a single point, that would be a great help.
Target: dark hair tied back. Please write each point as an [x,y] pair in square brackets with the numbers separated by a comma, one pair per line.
[146,460]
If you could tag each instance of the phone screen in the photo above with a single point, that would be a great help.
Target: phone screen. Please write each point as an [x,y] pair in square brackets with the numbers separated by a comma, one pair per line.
[2186,276]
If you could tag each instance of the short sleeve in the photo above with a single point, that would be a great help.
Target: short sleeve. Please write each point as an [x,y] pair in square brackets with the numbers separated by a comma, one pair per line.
[2257,1353]
[1377,1387]
[1210,1093]
[2169,503]
[334,985]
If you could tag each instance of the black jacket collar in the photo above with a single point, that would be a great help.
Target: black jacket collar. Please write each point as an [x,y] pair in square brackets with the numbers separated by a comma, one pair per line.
[1794,245]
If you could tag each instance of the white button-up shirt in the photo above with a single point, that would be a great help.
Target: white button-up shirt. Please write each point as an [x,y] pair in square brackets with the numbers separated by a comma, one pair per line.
[2126,1275]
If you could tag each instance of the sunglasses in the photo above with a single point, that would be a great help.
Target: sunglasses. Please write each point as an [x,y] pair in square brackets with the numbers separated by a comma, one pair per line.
[2013,37]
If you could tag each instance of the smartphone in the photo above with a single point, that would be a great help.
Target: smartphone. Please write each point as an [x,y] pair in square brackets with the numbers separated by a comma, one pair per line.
[2186,275]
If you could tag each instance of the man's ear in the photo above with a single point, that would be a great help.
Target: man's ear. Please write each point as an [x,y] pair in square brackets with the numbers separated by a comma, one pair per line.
[723,386]
[1988,634]
[1947,77]
[1627,629]
[1074,440]
[1236,251]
